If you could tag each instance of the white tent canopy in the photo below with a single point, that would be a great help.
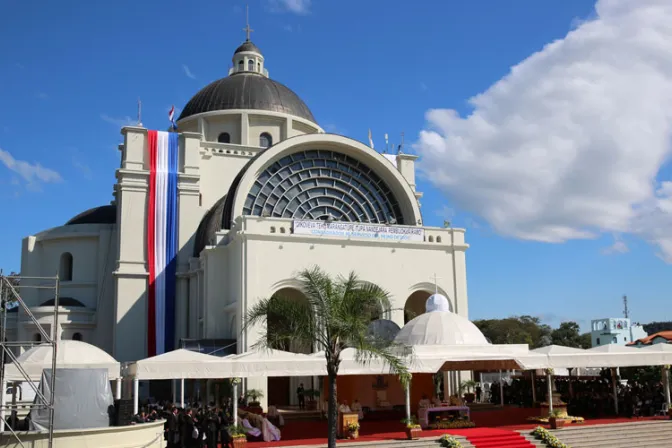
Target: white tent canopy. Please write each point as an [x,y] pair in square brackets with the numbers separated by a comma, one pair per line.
[69,355]
[605,356]
[179,363]
[268,363]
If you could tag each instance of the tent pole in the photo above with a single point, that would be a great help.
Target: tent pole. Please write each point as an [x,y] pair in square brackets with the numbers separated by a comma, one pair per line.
[549,381]
[666,384]
[182,393]
[235,403]
[534,387]
[408,402]
[501,389]
[614,378]
[136,392]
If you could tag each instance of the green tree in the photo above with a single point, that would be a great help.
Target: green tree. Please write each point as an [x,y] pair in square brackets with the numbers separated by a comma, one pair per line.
[335,316]
[568,334]
[516,330]
[585,340]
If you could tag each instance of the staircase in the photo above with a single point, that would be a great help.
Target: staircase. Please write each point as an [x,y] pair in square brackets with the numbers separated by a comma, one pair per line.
[645,434]
[428,442]
[498,438]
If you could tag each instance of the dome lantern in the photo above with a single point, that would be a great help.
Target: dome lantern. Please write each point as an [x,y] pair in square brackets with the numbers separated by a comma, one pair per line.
[248,58]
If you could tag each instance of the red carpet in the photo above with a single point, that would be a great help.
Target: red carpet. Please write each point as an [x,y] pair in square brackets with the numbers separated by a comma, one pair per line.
[493,429]
[493,438]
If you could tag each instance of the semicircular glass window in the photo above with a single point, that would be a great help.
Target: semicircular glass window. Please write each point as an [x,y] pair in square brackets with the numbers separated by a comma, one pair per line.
[318,184]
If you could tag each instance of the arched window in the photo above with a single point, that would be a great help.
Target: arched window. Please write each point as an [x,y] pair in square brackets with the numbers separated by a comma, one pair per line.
[37,337]
[241,65]
[65,268]
[259,67]
[250,65]
[77,337]
[265,140]
[224,137]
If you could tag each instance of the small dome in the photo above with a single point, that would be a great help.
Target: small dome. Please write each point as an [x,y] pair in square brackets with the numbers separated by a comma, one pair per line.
[247,46]
[440,328]
[383,330]
[106,214]
[437,302]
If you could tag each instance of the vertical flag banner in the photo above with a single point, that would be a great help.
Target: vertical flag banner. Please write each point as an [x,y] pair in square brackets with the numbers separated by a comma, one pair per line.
[161,241]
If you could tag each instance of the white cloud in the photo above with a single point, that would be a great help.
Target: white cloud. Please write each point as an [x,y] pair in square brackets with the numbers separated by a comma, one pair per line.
[32,174]
[570,143]
[618,247]
[188,72]
[123,121]
[300,7]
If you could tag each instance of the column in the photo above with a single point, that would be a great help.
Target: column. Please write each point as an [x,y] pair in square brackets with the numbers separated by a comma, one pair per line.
[234,386]
[614,380]
[189,212]
[136,391]
[245,130]
[534,386]
[501,389]
[549,398]
[117,392]
[131,274]
[408,401]
[446,385]
[182,393]
[666,384]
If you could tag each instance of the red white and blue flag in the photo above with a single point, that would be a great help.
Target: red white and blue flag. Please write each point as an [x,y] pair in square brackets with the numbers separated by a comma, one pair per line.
[171,117]
[161,241]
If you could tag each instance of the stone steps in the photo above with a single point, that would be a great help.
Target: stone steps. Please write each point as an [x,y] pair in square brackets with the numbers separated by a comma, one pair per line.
[649,434]
[427,442]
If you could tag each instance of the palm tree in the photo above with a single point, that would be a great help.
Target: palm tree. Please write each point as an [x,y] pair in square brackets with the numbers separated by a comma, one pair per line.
[334,316]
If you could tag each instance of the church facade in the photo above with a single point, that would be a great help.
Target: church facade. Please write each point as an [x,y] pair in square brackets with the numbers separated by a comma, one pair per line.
[263,192]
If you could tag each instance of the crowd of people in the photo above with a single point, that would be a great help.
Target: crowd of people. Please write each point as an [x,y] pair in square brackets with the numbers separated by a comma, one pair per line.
[588,397]
[201,426]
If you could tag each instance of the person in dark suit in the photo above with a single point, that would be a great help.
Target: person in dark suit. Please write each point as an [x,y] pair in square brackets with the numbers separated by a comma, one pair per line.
[300,393]
[172,429]
[188,425]
[210,427]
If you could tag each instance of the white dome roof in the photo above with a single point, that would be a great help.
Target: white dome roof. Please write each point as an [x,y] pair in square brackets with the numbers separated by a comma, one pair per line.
[69,355]
[438,326]
[437,302]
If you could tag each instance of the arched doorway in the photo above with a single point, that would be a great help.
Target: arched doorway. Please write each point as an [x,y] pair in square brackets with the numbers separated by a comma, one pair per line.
[415,305]
[282,390]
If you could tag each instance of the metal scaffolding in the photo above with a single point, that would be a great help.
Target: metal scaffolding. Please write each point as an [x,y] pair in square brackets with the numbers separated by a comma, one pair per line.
[10,299]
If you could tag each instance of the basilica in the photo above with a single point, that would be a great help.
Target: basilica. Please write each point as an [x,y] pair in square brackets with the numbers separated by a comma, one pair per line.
[263,192]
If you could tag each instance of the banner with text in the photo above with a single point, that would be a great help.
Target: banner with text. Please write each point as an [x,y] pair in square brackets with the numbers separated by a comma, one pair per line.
[358,230]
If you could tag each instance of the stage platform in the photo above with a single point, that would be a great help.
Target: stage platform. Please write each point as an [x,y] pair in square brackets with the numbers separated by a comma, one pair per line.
[297,432]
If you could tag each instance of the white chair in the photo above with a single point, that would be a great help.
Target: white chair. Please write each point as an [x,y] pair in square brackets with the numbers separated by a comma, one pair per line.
[663,409]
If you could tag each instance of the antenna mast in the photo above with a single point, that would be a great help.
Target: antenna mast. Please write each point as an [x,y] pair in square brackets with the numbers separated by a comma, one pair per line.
[626,312]
[400,149]
[139,112]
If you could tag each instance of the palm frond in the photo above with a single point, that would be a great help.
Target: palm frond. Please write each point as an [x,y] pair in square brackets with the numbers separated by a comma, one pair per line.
[287,322]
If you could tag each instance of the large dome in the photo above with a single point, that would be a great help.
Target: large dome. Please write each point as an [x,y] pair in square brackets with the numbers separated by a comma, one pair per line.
[247,91]
[438,326]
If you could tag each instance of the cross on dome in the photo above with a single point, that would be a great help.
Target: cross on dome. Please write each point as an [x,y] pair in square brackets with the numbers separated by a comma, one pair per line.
[436,283]
[247,28]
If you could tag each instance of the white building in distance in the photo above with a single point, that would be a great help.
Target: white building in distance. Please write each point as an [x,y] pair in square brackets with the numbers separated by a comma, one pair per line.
[263,192]
[618,331]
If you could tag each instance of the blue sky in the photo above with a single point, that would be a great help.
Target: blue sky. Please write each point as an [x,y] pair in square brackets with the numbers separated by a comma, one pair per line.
[71,74]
